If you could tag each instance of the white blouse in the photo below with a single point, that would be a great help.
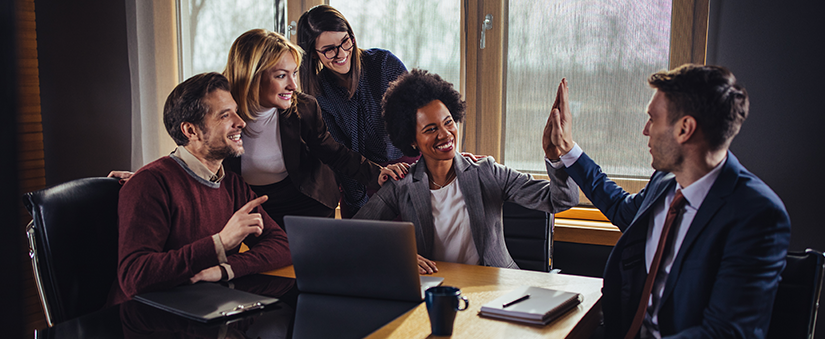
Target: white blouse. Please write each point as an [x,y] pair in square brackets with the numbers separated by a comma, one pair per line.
[453,236]
[263,160]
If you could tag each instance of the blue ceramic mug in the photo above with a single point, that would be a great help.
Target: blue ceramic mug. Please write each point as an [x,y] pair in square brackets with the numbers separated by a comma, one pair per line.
[442,303]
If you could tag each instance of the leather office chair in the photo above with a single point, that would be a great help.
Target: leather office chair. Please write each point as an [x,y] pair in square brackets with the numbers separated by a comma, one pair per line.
[529,236]
[73,245]
[797,300]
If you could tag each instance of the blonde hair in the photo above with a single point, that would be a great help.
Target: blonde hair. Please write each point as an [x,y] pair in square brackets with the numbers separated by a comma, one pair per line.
[250,56]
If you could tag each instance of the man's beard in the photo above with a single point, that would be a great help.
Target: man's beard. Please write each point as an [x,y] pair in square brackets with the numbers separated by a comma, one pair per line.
[221,152]
[668,156]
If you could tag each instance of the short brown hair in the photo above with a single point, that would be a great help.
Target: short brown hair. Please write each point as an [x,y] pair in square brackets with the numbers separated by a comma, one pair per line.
[186,103]
[710,95]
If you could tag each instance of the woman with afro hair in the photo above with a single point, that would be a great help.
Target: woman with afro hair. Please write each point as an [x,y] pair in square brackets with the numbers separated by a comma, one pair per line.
[454,203]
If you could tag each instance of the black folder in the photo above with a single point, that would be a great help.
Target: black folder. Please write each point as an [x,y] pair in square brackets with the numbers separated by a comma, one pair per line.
[205,302]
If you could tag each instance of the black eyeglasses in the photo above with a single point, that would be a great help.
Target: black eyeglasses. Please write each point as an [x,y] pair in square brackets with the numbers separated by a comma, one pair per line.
[332,52]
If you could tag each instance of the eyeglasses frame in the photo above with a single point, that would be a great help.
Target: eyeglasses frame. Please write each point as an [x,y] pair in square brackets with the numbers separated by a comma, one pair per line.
[338,48]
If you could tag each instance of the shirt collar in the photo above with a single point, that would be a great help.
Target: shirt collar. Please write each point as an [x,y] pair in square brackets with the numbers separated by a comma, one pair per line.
[197,166]
[696,192]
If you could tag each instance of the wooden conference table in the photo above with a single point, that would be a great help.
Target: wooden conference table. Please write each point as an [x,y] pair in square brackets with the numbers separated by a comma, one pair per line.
[482,284]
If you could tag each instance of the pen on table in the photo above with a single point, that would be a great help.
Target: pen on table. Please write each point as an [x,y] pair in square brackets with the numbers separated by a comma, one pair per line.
[520,299]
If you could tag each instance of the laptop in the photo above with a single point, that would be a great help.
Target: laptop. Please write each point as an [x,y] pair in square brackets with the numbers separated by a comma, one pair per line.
[359,258]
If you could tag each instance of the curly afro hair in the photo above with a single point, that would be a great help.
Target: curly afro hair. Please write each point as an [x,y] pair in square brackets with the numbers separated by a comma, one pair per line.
[406,95]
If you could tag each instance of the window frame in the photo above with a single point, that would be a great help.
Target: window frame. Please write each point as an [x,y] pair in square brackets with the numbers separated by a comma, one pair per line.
[294,10]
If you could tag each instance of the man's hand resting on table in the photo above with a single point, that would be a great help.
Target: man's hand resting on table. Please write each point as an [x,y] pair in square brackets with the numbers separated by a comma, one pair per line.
[211,274]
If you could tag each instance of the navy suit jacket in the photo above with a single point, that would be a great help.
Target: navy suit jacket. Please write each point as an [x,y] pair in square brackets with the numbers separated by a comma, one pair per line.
[723,280]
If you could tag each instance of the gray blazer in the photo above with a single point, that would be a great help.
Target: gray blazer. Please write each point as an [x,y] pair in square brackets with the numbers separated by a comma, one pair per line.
[485,185]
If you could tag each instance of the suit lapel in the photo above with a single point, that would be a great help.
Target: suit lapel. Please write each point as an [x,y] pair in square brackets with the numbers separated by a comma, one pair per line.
[633,240]
[658,188]
[714,201]
[290,128]
[420,195]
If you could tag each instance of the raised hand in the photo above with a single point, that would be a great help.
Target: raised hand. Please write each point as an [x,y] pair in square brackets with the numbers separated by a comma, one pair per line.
[558,132]
[242,224]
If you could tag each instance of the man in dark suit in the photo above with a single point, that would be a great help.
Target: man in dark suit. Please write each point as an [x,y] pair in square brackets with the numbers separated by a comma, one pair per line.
[724,233]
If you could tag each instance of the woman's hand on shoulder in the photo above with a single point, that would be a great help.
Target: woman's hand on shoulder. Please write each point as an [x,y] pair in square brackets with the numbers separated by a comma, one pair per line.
[475,157]
[395,171]
[122,175]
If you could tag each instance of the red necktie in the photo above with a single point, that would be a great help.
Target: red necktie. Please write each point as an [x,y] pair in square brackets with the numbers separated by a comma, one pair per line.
[672,213]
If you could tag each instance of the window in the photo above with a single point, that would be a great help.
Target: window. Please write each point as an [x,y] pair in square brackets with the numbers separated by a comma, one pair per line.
[424,33]
[208,28]
[606,49]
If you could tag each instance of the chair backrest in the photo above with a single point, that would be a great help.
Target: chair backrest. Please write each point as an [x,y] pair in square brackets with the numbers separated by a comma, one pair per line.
[797,300]
[529,236]
[73,245]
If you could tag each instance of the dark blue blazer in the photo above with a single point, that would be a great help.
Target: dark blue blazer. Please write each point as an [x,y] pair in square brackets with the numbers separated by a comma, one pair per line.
[725,276]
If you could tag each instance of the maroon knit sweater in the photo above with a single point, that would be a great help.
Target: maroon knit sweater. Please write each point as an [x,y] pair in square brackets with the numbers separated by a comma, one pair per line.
[167,217]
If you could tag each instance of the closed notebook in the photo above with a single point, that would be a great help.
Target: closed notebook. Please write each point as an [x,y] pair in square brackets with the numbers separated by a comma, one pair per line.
[540,308]
[205,301]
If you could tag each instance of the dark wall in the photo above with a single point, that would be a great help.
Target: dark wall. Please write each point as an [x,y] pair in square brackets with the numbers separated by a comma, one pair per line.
[85,93]
[11,318]
[774,49]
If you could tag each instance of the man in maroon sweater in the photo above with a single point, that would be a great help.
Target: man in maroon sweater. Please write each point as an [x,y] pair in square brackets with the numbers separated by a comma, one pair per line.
[182,217]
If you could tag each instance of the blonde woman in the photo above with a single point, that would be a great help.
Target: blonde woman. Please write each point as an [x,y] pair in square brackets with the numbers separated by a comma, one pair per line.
[290,156]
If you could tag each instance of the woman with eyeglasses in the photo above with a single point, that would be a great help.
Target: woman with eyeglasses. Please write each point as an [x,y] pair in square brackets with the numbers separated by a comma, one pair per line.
[348,83]
[289,154]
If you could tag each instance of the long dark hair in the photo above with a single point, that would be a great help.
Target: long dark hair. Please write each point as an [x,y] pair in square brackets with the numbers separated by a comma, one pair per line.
[316,20]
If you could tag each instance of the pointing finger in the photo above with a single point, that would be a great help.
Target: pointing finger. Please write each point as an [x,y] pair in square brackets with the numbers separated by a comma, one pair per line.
[254,203]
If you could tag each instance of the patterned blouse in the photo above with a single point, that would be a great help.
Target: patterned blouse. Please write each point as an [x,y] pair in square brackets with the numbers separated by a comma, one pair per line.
[357,122]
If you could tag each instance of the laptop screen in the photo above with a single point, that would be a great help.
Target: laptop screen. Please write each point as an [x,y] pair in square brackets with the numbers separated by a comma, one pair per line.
[361,258]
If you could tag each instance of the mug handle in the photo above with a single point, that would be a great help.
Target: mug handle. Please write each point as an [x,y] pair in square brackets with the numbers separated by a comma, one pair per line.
[466,303]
